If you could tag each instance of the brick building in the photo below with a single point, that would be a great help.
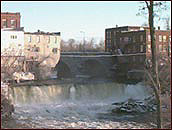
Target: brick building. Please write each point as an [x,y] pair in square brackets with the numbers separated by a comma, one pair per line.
[135,43]
[10,20]
[133,39]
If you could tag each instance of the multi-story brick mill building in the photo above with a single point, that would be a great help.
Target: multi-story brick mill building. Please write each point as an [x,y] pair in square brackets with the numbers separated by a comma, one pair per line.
[135,42]
[10,20]
[132,39]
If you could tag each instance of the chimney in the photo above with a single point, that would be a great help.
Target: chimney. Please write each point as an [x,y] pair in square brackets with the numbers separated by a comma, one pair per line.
[116,26]
[38,30]
[158,27]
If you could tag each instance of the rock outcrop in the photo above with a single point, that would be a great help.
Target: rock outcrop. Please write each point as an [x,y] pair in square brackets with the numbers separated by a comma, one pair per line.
[135,106]
[7,107]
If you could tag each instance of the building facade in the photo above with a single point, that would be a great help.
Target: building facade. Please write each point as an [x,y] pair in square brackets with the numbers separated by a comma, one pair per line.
[42,52]
[132,39]
[42,46]
[10,20]
[12,42]
[135,44]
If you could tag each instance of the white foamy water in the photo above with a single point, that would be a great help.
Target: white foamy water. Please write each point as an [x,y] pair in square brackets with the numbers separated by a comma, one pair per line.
[74,105]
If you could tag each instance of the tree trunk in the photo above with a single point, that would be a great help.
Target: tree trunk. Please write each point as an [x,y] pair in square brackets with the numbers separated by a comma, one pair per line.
[155,63]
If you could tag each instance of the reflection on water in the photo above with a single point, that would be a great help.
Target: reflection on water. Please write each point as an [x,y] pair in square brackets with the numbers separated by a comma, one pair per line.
[57,106]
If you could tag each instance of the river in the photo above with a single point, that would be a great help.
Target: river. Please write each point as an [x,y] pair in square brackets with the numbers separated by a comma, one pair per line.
[76,105]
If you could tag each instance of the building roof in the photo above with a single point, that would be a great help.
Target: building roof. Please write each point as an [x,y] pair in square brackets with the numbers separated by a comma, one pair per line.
[10,13]
[13,29]
[43,33]
[128,27]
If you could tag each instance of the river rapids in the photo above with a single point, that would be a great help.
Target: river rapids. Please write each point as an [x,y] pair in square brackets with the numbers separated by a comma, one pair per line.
[74,105]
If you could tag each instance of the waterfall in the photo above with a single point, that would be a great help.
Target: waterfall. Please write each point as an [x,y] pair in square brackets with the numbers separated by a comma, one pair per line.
[107,92]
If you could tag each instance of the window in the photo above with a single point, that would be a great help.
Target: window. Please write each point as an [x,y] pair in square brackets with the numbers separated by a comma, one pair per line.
[38,39]
[54,50]
[12,22]
[29,39]
[141,59]
[164,38]
[149,48]
[108,34]
[29,48]
[114,33]
[35,49]
[108,43]
[120,39]
[129,39]
[13,36]
[134,58]
[141,38]
[149,38]
[48,39]
[128,50]
[170,48]
[4,22]
[126,39]
[164,49]
[155,37]
[55,39]
[134,39]
[134,49]
[160,48]
[160,38]
[141,48]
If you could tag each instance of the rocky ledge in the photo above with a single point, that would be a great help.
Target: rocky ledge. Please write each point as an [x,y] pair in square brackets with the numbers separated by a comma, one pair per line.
[7,107]
[135,106]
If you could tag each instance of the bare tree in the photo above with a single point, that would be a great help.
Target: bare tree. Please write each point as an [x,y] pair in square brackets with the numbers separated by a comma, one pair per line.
[154,73]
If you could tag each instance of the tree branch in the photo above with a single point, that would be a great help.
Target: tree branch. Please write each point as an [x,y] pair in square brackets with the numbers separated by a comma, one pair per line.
[147,4]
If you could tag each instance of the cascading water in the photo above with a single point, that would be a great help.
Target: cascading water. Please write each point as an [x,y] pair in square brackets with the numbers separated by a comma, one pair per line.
[71,105]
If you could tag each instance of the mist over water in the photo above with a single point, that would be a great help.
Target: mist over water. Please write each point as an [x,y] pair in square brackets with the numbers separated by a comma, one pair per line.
[57,106]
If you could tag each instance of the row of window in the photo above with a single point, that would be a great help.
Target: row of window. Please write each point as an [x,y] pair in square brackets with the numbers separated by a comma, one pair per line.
[160,47]
[161,38]
[129,39]
[134,49]
[12,22]
[13,36]
[38,39]
[37,49]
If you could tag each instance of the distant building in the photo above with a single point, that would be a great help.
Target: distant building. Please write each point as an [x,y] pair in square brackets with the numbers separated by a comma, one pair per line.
[136,41]
[10,20]
[133,39]
[12,42]
[40,45]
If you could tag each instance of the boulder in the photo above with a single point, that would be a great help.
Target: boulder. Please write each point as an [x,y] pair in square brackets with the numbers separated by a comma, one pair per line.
[135,106]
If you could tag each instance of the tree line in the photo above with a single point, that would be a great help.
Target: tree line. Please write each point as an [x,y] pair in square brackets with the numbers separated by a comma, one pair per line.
[73,45]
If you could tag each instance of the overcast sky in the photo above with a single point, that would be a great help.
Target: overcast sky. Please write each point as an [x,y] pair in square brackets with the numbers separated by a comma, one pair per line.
[70,18]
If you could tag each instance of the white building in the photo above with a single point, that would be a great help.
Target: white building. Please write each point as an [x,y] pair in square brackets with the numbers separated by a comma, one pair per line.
[12,42]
